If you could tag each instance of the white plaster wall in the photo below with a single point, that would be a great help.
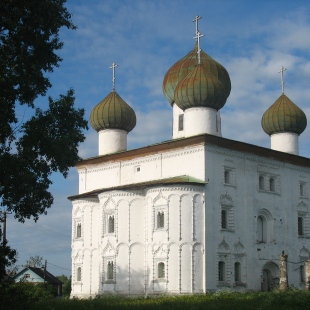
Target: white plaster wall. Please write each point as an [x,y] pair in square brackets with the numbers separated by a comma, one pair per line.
[285,142]
[153,167]
[137,246]
[248,201]
[112,141]
[201,120]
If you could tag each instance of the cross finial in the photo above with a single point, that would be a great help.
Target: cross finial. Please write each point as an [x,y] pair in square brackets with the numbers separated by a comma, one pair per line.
[114,65]
[282,78]
[197,37]
[196,21]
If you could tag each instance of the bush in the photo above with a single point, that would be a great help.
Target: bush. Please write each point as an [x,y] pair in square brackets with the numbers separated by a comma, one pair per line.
[23,295]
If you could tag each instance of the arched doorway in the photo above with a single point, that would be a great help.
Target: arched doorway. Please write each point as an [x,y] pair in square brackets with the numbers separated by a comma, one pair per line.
[270,277]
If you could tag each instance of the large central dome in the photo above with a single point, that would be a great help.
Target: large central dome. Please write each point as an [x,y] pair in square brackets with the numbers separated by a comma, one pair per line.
[188,63]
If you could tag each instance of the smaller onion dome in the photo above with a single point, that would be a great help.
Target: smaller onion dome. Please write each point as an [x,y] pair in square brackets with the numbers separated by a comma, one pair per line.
[284,116]
[186,64]
[200,88]
[113,113]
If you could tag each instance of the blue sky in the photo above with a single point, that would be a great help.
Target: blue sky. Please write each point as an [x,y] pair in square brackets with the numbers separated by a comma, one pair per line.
[251,39]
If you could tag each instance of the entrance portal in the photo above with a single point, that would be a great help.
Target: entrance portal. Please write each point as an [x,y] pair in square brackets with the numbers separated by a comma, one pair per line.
[270,277]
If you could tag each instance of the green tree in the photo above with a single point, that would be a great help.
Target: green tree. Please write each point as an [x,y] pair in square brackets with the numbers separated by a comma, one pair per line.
[31,150]
[35,261]
[66,288]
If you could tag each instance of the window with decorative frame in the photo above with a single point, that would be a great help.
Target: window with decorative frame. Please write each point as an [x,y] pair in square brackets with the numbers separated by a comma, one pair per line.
[109,222]
[229,176]
[78,230]
[109,270]
[78,273]
[268,183]
[161,270]
[160,218]
[227,217]
[239,268]
[302,220]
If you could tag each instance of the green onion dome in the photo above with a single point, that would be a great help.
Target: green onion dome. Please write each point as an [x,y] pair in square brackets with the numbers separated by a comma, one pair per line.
[284,116]
[182,67]
[200,88]
[113,113]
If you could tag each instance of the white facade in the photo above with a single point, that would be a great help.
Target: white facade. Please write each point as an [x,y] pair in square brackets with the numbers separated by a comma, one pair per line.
[189,216]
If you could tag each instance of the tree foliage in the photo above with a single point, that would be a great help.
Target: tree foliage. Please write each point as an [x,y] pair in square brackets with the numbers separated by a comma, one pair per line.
[7,259]
[35,261]
[31,150]
[66,287]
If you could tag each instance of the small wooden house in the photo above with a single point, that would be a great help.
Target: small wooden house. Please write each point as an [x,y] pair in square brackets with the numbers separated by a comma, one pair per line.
[38,275]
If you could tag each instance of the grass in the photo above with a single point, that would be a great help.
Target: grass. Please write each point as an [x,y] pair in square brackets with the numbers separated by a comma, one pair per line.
[292,299]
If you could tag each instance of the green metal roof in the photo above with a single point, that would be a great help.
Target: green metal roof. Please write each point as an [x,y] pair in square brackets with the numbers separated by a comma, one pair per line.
[200,88]
[113,113]
[182,67]
[284,116]
[173,180]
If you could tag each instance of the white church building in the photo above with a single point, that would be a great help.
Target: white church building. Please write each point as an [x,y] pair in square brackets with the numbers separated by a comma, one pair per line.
[195,214]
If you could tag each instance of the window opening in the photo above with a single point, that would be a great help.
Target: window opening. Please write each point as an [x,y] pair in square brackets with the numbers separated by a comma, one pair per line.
[111,224]
[300,226]
[221,271]
[78,274]
[110,270]
[160,220]
[237,272]
[181,122]
[261,183]
[272,186]
[79,230]
[302,189]
[161,270]
[261,229]
[227,176]
[302,274]
[224,219]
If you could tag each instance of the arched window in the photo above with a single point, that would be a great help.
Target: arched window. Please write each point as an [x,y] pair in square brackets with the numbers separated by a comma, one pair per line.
[261,229]
[110,271]
[272,185]
[237,272]
[78,274]
[160,220]
[79,230]
[224,219]
[111,224]
[161,270]
[261,183]
[222,271]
